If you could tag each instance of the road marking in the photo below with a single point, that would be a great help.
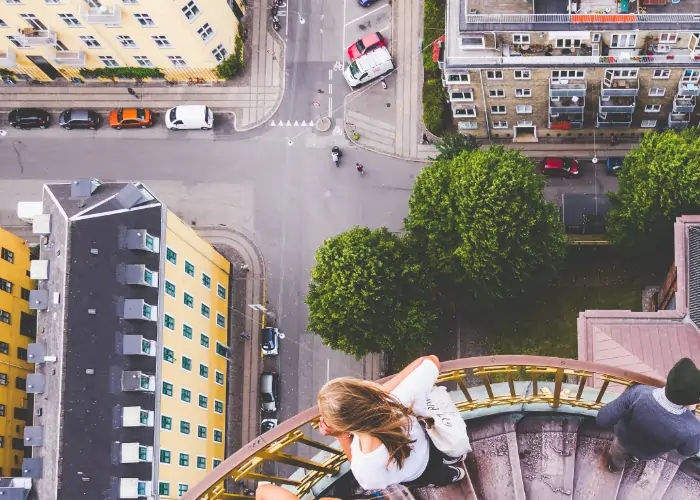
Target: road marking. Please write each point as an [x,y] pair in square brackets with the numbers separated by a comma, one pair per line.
[330,88]
[330,106]
[272,123]
[296,123]
[303,123]
[385,28]
[330,74]
[289,123]
[368,14]
[337,130]
[338,66]
[343,48]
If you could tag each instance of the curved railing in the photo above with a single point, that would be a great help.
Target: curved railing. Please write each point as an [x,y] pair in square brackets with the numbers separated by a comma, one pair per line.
[548,376]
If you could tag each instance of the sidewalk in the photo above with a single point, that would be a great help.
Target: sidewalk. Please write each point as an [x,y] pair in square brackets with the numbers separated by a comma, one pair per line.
[253,98]
[254,293]
[390,121]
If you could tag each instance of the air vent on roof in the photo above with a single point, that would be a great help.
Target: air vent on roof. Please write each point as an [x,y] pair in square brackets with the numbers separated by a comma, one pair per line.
[33,436]
[35,383]
[136,345]
[39,299]
[90,371]
[39,270]
[138,309]
[139,239]
[32,467]
[132,195]
[138,274]
[94,251]
[92,311]
[56,298]
[41,224]
[27,210]
[83,188]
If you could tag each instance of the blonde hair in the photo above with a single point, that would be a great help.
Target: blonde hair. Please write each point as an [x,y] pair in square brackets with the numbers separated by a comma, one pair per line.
[351,405]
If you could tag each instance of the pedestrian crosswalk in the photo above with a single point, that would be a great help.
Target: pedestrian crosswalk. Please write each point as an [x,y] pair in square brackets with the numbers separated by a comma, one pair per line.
[290,123]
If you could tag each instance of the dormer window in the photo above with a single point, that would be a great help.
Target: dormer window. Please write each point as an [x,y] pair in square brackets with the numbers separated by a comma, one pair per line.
[140,239]
[135,416]
[136,345]
[136,452]
[138,381]
[139,274]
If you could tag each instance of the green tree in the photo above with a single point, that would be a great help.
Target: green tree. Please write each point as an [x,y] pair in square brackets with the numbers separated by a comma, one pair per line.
[660,181]
[481,221]
[453,144]
[368,295]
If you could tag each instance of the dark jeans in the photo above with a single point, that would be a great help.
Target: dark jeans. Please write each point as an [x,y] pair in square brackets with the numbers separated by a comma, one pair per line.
[436,472]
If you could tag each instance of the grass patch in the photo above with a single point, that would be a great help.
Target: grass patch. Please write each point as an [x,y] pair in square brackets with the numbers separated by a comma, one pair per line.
[544,324]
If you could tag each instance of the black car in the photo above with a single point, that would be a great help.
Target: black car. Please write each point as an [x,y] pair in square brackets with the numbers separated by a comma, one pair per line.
[79,118]
[269,392]
[267,425]
[269,341]
[29,118]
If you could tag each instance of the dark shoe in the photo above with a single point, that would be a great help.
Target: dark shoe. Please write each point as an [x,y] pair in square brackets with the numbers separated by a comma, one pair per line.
[460,473]
[611,466]
[452,461]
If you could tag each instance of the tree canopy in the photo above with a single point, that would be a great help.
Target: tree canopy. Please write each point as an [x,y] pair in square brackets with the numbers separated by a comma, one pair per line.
[453,145]
[660,180]
[367,294]
[480,220]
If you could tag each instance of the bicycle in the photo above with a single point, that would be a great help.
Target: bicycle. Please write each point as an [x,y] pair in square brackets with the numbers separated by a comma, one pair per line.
[353,129]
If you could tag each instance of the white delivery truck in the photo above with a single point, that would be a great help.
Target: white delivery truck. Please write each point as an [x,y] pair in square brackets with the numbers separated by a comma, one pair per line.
[369,66]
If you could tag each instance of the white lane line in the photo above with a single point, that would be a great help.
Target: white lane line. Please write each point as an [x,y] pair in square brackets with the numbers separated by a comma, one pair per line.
[342,49]
[330,74]
[368,14]
[330,88]
[385,28]
[330,106]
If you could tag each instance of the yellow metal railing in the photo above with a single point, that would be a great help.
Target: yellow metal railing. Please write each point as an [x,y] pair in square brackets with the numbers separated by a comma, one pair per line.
[247,462]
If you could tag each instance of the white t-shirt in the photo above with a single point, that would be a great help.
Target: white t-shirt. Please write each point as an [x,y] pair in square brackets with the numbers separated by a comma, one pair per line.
[370,469]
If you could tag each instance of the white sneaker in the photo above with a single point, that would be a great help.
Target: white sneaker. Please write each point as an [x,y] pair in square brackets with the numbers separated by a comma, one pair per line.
[461,473]
[450,461]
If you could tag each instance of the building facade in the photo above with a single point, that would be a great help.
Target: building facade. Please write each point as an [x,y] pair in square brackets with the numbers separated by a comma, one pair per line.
[526,70]
[17,328]
[131,351]
[49,39]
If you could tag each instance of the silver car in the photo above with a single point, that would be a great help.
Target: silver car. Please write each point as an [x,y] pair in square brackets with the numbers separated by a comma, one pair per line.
[269,392]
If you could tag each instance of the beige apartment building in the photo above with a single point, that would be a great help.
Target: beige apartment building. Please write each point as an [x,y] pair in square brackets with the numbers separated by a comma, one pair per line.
[527,70]
[49,39]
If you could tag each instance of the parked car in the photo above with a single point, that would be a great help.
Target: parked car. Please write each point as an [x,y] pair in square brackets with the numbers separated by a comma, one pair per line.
[560,167]
[366,44]
[267,424]
[189,117]
[269,341]
[130,117]
[369,66]
[366,3]
[269,392]
[79,118]
[614,165]
[29,118]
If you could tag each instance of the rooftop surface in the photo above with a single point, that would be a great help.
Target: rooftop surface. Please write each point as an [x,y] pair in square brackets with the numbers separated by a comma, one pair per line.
[650,343]
[87,407]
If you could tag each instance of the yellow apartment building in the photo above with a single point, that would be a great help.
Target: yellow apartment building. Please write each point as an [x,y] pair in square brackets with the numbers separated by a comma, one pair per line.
[17,324]
[48,39]
[194,367]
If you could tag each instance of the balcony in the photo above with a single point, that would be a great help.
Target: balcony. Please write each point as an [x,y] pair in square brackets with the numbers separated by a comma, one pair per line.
[566,122]
[688,88]
[64,58]
[7,59]
[683,104]
[567,105]
[110,15]
[613,120]
[678,121]
[36,38]
[539,416]
[616,104]
[566,88]
[619,87]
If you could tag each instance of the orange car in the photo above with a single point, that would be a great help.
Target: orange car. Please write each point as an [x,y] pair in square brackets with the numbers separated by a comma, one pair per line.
[130,117]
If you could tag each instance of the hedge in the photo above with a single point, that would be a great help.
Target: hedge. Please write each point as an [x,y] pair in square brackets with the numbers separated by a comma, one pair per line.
[233,64]
[433,28]
[122,72]
[434,106]
[7,72]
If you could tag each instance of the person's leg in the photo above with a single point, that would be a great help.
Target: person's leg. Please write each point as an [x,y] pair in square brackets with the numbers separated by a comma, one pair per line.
[441,470]
[617,456]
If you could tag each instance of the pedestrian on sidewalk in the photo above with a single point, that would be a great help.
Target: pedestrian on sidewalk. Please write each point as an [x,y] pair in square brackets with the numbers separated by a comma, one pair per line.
[613,139]
[132,92]
[649,422]
[245,336]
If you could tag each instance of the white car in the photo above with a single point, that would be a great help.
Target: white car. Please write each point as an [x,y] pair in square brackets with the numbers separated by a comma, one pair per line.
[268,424]
[189,117]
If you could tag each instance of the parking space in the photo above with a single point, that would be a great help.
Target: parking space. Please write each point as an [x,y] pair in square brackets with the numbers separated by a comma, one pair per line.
[361,21]
[593,180]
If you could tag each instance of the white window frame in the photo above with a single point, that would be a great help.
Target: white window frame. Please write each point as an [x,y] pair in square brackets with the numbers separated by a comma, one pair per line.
[197,462]
[222,435]
[206,28]
[222,406]
[462,99]
[499,124]
[144,20]
[525,74]
[171,385]
[523,109]
[661,74]
[190,7]
[179,428]
[162,42]
[220,51]
[18,42]
[567,74]
[144,62]
[668,38]
[471,46]
[652,108]
[568,43]
[494,74]
[648,123]
[524,123]
[693,77]
[70,20]
[521,38]
[469,112]
[497,93]
[177,61]
[108,60]
[217,371]
[596,37]
[130,2]
[498,108]
[200,370]
[202,407]
[464,125]
[523,93]
[623,40]
[625,74]
[126,38]
[460,78]
[653,92]
[91,42]
[218,314]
